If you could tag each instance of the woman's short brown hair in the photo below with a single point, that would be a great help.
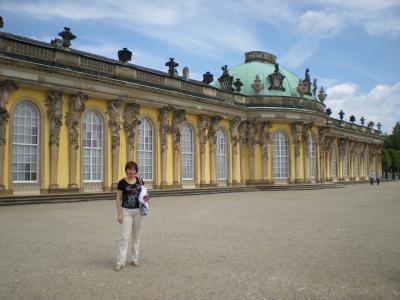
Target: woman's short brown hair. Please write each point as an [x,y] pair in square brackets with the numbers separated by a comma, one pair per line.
[131,164]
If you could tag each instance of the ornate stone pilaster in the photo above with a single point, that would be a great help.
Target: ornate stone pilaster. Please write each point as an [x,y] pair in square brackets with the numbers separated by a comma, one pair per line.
[252,139]
[327,148]
[164,131]
[212,138]
[322,153]
[54,103]
[202,126]
[297,129]
[178,117]
[6,88]
[114,122]
[234,128]
[306,137]
[72,119]
[243,142]
[265,141]
[131,122]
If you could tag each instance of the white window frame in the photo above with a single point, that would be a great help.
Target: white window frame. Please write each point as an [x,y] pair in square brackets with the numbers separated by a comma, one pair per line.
[95,157]
[280,156]
[20,131]
[187,152]
[222,155]
[146,148]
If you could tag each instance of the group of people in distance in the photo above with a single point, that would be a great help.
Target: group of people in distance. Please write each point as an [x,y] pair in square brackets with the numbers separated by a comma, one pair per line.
[374,176]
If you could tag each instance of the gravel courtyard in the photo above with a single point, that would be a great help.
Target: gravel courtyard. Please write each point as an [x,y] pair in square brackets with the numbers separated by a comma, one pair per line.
[320,244]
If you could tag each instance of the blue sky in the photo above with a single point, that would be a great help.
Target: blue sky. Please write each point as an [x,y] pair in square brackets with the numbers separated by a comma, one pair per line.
[351,46]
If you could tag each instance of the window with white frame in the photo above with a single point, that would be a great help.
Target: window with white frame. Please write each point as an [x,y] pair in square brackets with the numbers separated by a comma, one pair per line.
[187,169]
[345,164]
[333,161]
[145,149]
[92,145]
[313,157]
[25,143]
[280,156]
[221,155]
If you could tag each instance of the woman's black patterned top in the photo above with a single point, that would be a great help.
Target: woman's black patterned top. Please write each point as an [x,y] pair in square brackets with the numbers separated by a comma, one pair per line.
[130,192]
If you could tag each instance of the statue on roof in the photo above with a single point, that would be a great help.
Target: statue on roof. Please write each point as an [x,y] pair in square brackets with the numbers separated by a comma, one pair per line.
[276,79]
[226,80]
[67,37]
[171,64]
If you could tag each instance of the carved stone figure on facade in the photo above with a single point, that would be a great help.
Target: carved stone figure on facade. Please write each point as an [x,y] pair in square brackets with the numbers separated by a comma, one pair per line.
[257,85]
[306,137]
[235,132]
[208,77]
[265,138]
[171,64]
[164,126]
[276,79]
[212,131]
[252,135]
[202,126]
[243,128]
[297,133]
[114,112]
[226,80]
[6,88]
[131,121]
[72,118]
[54,103]
[4,116]
[177,121]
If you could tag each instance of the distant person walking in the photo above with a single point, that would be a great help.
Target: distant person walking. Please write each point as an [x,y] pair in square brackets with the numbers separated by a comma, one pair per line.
[372,177]
[129,214]
[378,179]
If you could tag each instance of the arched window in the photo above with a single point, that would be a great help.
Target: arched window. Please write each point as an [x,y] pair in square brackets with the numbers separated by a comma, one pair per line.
[93,137]
[280,156]
[313,157]
[145,149]
[333,161]
[221,155]
[187,169]
[25,143]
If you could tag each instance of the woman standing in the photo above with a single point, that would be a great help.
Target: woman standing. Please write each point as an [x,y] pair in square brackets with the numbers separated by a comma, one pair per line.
[129,214]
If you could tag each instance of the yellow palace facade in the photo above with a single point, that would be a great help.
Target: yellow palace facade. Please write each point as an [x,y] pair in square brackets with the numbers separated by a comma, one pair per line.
[69,121]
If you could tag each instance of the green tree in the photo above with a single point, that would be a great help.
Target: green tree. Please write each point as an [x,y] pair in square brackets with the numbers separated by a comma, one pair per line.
[395,157]
[386,160]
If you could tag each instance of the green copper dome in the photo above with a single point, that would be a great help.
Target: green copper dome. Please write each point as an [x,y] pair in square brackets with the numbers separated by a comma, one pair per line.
[262,64]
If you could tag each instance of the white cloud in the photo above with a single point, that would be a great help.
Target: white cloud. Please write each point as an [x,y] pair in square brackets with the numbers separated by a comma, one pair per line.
[380,104]
[320,23]
[300,52]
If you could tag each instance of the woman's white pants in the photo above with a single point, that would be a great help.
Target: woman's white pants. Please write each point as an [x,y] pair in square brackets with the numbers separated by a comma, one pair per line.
[131,224]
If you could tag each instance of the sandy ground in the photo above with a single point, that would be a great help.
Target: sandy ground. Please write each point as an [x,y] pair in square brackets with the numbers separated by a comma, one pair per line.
[321,244]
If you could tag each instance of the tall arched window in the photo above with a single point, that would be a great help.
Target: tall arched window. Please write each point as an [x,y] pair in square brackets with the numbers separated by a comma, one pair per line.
[280,156]
[25,143]
[187,157]
[313,157]
[221,155]
[93,132]
[145,149]
[333,161]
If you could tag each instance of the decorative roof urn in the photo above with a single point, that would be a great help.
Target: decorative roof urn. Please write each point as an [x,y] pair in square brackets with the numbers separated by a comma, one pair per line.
[67,37]
[341,114]
[328,111]
[362,120]
[171,64]
[238,85]
[322,95]
[208,77]
[124,55]
[352,119]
